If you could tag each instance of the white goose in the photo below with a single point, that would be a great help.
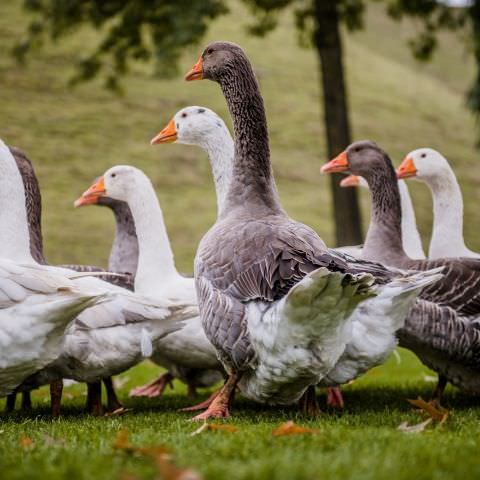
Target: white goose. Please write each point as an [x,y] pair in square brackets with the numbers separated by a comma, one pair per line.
[432,168]
[156,275]
[36,308]
[369,338]
[105,339]
[412,242]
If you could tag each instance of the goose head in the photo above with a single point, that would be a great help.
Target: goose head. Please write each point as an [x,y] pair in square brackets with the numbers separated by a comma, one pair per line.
[117,183]
[191,126]
[217,62]
[364,158]
[423,164]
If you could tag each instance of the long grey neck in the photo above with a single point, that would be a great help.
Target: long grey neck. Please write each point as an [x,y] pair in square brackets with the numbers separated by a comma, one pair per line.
[155,260]
[124,253]
[252,182]
[447,234]
[384,237]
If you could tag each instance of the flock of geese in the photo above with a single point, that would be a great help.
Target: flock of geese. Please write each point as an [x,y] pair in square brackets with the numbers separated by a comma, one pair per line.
[271,310]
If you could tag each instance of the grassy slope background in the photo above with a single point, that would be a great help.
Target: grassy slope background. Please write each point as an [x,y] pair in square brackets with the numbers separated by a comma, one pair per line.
[74,135]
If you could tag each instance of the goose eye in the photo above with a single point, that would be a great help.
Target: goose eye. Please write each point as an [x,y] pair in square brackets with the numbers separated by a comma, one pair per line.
[209,51]
[113,175]
[184,115]
[423,155]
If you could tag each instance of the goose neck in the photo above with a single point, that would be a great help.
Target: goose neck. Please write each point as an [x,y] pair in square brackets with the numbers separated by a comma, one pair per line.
[252,176]
[412,242]
[447,215]
[14,232]
[124,252]
[384,237]
[220,150]
[155,260]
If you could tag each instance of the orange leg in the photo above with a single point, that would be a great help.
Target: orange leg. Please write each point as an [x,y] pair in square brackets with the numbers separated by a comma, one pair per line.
[203,405]
[155,388]
[220,405]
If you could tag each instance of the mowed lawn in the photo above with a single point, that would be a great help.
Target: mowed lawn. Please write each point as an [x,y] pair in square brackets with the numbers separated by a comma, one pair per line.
[72,136]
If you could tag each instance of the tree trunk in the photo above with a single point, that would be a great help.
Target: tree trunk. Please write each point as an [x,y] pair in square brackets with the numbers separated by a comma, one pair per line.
[328,43]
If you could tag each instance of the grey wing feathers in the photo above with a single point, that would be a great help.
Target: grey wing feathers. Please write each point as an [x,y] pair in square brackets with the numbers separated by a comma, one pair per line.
[226,325]
[460,287]
[440,328]
[127,280]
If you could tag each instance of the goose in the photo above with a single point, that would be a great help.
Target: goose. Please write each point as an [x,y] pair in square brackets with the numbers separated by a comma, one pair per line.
[274,302]
[412,242]
[445,336]
[201,126]
[187,354]
[33,202]
[429,166]
[107,338]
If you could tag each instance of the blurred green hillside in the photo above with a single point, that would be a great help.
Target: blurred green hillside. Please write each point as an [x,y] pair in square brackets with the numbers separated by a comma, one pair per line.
[74,135]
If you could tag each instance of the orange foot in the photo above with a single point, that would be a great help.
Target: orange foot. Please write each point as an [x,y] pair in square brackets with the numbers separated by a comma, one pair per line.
[335,398]
[155,388]
[219,406]
[202,405]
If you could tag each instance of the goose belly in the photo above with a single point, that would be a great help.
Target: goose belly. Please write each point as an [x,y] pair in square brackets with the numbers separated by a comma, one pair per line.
[461,376]
[93,354]
[186,348]
[287,362]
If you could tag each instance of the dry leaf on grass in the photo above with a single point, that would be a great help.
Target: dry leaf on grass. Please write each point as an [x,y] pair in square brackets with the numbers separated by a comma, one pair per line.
[216,427]
[418,428]
[291,428]
[160,455]
[436,413]
[26,442]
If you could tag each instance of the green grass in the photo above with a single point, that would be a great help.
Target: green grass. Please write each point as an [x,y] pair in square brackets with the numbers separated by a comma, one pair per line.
[74,135]
[361,443]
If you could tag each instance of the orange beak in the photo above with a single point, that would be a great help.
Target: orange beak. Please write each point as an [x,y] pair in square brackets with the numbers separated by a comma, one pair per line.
[350,181]
[407,168]
[338,164]
[196,72]
[167,135]
[92,194]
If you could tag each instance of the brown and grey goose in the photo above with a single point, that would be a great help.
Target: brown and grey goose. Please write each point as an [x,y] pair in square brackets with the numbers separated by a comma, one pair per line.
[445,334]
[267,284]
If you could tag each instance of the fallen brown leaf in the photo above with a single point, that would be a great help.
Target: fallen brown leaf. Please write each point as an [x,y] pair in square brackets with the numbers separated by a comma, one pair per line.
[437,413]
[218,427]
[26,442]
[291,428]
[121,441]
[417,428]
[161,457]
